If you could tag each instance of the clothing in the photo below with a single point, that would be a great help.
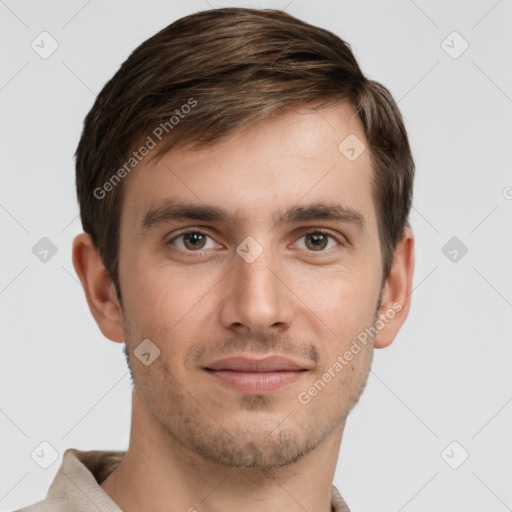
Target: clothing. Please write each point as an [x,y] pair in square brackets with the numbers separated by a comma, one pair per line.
[76,484]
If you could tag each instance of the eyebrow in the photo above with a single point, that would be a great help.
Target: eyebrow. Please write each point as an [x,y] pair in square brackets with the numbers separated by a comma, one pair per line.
[175,211]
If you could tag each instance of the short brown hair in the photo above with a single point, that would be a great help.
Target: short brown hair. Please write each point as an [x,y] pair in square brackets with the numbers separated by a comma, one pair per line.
[236,66]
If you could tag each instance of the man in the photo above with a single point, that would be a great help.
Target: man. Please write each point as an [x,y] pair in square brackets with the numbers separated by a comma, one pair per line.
[244,191]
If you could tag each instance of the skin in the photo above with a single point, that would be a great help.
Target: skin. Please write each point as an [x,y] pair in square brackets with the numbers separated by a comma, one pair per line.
[195,442]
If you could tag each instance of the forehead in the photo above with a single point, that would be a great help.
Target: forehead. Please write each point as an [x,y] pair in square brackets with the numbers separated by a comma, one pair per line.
[296,158]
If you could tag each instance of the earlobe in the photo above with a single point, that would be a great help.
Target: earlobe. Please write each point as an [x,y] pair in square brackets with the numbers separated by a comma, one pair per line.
[396,295]
[98,287]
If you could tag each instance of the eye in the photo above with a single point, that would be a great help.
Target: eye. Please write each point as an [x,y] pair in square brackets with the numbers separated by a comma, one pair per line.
[318,239]
[193,240]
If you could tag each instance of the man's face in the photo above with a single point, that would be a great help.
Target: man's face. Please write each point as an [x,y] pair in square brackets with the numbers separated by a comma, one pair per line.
[284,292]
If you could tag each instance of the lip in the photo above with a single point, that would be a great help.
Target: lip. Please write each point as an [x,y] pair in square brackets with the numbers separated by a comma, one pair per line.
[256,376]
[256,382]
[248,364]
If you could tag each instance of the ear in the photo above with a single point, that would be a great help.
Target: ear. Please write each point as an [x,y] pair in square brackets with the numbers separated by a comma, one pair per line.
[396,295]
[98,287]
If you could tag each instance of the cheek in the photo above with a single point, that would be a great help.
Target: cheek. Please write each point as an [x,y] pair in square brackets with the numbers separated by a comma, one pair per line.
[163,300]
[344,299]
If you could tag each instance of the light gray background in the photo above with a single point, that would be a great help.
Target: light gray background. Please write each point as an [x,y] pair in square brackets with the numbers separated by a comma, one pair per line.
[447,376]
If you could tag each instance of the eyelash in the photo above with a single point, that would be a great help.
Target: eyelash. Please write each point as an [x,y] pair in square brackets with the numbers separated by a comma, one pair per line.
[313,231]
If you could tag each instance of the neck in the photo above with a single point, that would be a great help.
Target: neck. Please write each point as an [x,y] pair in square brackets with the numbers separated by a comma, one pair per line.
[159,474]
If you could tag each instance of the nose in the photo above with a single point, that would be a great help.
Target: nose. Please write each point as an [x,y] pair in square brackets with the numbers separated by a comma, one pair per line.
[257,300]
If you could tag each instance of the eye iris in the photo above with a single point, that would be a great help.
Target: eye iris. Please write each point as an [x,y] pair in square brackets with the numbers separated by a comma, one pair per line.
[319,240]
[196,239]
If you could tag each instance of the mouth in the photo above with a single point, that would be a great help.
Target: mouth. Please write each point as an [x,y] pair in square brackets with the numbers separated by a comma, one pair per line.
[256,376]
